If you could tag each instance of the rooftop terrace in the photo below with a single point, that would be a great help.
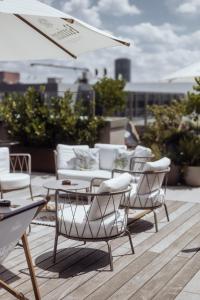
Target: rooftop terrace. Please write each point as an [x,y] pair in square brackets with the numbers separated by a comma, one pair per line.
[166,265]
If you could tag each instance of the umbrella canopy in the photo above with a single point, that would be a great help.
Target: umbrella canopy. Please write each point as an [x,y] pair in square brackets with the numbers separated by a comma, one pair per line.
[187,73]
[30,29]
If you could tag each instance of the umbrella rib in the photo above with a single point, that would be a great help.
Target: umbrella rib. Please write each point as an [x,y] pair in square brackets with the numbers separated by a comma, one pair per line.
[122,42]
[44,35]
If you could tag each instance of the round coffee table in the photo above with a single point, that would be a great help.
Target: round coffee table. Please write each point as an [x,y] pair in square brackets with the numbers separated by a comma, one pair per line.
[75,185]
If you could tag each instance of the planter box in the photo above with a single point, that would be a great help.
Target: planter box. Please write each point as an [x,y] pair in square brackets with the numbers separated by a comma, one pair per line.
[42,159]
[174,175]
[192,176]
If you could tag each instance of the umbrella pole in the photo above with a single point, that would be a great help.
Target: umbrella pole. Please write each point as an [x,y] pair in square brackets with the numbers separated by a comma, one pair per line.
[30,266]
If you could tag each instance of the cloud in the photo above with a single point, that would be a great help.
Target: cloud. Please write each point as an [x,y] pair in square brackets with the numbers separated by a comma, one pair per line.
[117,7]
[83,10]
[162,49]
[189,7]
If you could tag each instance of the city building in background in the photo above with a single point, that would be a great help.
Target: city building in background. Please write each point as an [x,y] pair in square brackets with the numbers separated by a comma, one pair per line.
[123,69]
[139,94]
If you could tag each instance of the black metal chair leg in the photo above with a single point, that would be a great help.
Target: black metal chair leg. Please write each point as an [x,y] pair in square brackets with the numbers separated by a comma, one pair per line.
[31,192]
[110,256]
[55,248]
[130,240]
[156,221]
[166,211]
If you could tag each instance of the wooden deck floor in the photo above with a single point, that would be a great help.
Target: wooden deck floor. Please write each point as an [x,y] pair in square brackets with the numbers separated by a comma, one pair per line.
[165,265]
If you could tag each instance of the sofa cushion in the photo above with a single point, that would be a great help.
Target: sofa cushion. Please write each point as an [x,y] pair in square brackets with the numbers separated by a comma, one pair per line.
[66,156]
[74,223]
[107,155]
[122,159]
[84,175]
[105,204]
[12,181]
[87,159]
[4,160]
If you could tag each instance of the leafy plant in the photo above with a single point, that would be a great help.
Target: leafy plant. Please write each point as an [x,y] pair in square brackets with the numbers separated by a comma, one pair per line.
[175,131]
[33,120]
[167,119]
[109,96]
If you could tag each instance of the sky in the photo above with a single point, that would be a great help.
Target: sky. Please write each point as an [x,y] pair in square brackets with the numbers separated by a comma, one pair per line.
[164,37]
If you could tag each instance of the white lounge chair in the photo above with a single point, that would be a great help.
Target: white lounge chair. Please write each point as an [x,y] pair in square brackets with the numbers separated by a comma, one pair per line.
[15,171]
[94,216]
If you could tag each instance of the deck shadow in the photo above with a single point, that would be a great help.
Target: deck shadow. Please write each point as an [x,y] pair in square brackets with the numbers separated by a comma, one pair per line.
[140,226]
[84,260]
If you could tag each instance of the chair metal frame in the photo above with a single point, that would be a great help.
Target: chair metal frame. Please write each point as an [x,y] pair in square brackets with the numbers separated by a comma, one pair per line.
[163,185]
[88,198]
[19,163]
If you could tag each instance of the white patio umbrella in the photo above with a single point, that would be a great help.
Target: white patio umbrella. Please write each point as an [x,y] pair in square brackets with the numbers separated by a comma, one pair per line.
[32,30]
[185,74]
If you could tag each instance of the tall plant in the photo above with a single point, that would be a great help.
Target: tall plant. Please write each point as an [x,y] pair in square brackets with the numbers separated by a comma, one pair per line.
[109,96]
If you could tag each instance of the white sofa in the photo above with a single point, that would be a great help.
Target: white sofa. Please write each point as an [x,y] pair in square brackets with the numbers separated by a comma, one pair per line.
[106,155]
[68,170]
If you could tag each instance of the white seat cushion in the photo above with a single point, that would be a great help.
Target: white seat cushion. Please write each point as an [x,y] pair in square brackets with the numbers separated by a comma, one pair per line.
[73,222]
[12,181]
[4,160]
[84,175]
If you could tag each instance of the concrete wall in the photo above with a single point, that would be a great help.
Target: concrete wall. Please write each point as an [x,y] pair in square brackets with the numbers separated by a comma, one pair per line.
[113,132]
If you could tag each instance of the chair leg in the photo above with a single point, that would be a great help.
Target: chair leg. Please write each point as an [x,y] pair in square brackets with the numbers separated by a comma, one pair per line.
[1,194]
[156,221]
[55,248]
[130,240]
[110,256]
[31,192]
[166,211]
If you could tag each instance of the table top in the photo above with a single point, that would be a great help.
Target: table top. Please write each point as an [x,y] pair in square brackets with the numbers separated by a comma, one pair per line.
[18,206]
[55,184]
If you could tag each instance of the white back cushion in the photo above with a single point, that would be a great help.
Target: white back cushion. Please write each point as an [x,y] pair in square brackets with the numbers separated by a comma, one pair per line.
[153,181]
[4,160]
[103,204]
[107,155]
[66,156]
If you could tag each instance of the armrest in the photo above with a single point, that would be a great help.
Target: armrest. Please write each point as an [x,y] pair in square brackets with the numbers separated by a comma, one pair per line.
[20,162]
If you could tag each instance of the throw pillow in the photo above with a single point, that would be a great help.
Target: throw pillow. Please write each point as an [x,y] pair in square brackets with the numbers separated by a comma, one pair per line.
[66,156]
[87,159]
[122,160]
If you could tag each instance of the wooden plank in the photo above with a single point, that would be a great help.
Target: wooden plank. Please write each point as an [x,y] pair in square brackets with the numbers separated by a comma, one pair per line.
[169,271]
[178,282]
[188,296]
[128,290]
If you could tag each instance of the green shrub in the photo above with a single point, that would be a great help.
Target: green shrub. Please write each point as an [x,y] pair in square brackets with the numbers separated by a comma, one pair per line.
[34,121]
